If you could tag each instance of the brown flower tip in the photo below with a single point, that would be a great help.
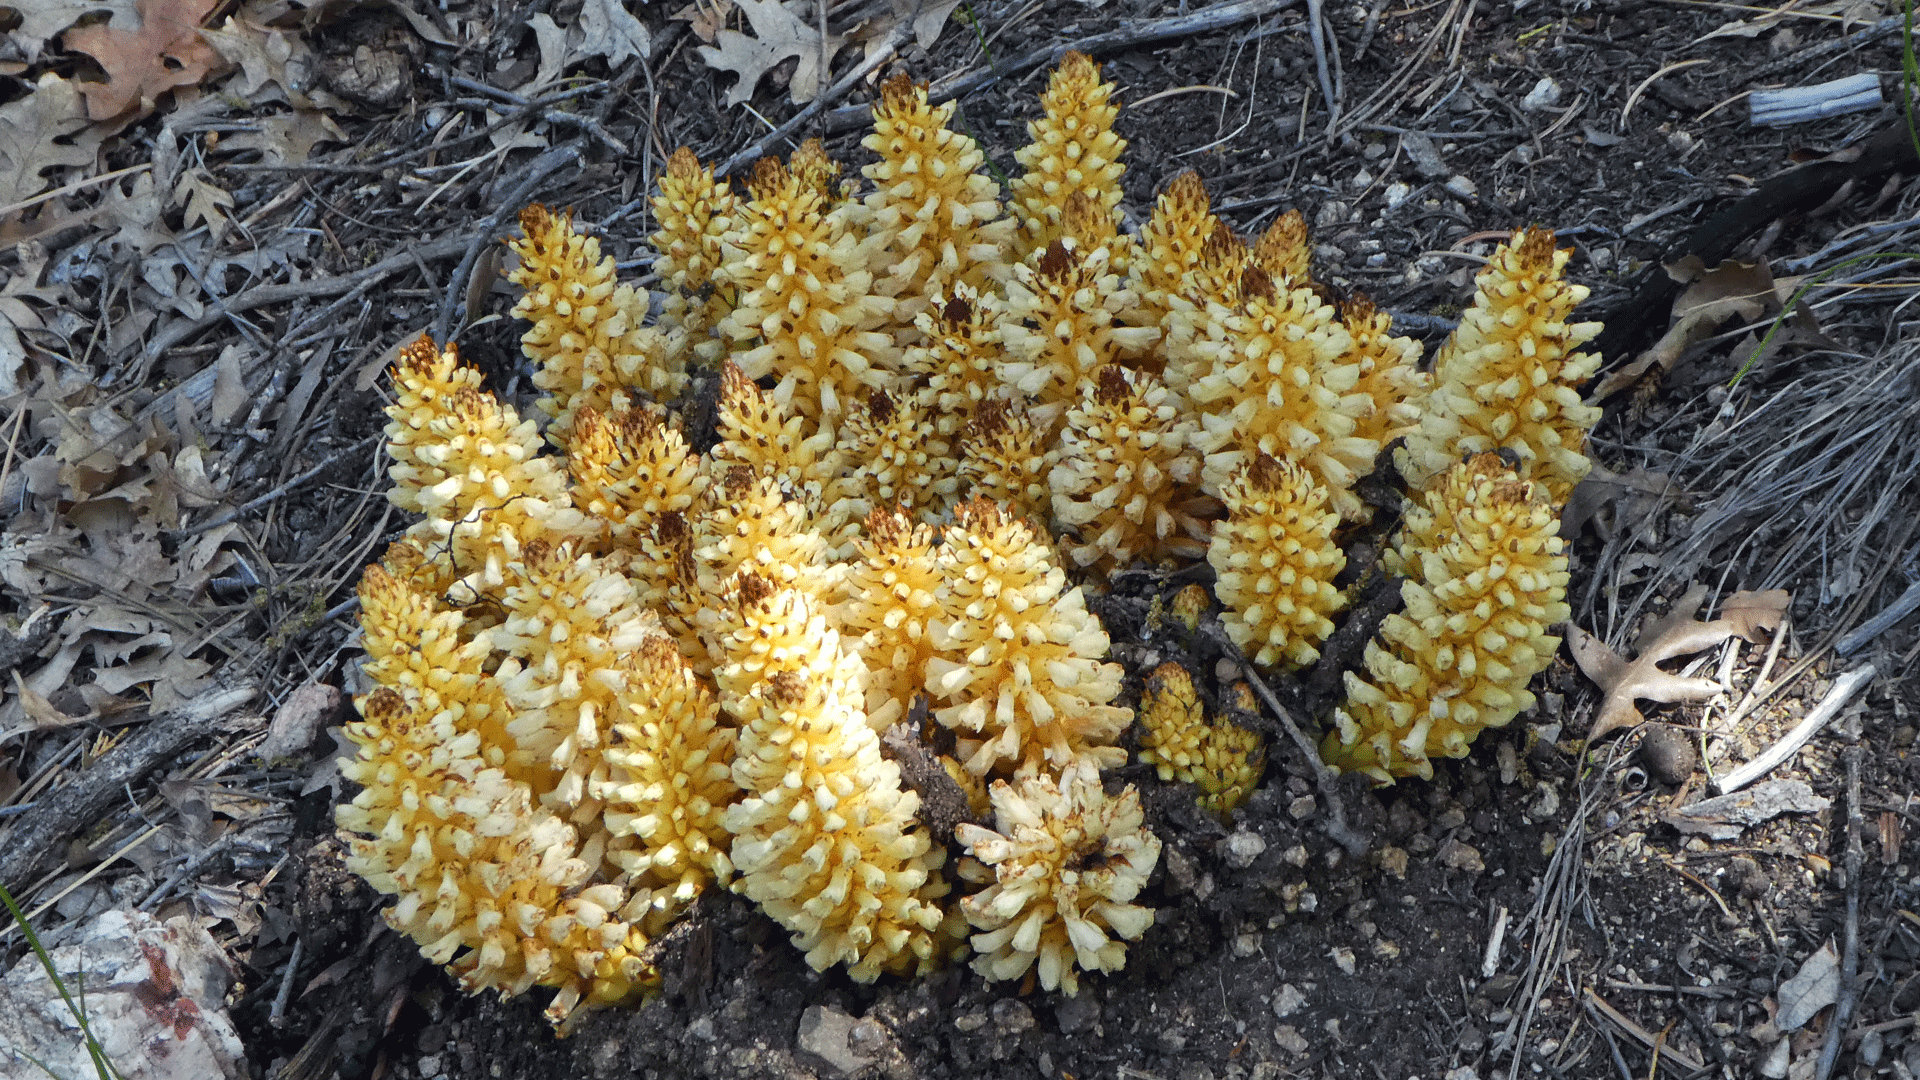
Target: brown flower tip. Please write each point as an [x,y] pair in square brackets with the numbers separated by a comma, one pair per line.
[1057,262]
[956,312]
[1282,250]
[1257,283]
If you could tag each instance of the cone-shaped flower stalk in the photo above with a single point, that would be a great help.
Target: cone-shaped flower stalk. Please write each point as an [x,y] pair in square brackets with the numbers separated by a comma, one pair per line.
[1474,632]
[1059,325]
[1506,379]
[1280,384]
[1391,381]
[629,467]
[671,781]
[695,212]
[587,335]
[1283,252]
[1067,862]
[1275,560]
[939,214]
[1125,482]
[959,355]
[1072,150]
[1005,458]
[1222,759]
[891,601]
[806,312]
[1017,674]
[898,459]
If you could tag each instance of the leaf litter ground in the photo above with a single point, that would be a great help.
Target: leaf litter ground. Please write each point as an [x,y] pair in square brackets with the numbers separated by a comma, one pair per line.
[192,483]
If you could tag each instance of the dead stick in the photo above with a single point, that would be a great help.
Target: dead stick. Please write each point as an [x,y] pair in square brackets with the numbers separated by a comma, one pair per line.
[1324,777]
[888,46]
[1850,958]
[36,840]
[1837,696]
[1207,20]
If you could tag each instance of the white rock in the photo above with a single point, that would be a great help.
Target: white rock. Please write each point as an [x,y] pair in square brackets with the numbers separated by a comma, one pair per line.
[1462,187]
[1396,193]
[155,997]
[824,1036]
[1544,95]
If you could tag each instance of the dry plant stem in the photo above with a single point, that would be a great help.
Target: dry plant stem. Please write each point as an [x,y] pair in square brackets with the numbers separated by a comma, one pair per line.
[281,490]
[1850,955]
[1139,33]
[1655,1043]
[36,839]
[1860,635]
[839,88]
[1836,699]
[1324,777]
[277,1016]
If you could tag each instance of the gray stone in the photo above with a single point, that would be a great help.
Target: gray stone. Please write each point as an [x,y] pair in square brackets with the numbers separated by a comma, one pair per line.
[823,1037]
[1242,848]
[1076,1014]
[1011,1016]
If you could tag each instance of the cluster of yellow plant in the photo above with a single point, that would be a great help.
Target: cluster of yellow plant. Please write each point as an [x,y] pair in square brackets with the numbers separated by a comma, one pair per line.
[612,677]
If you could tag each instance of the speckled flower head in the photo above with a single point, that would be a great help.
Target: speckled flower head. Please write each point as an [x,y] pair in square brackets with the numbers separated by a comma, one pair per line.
[1067,862]
[939,214]
[588,336]
[670,782]
[891,599]
[1280,383]
[1507,377]
[1170,246]
[1058,325]
[695,212]
[806,312]
[749,523]
[1017,671]
[1005,458]
[825,839]
[629,467]
[1480,599]
[959,355]
[1283,251]
[1125,483]
[1222,759]
[1275,560]
[474,468]
[1390,377]
[897,458]
[1072,150]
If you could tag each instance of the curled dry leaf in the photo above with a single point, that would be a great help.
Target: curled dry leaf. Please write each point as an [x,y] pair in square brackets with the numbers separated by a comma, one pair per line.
[777,34]
[1675,635]
[34,137]
[1814,987]
[165,52]
[1731,289]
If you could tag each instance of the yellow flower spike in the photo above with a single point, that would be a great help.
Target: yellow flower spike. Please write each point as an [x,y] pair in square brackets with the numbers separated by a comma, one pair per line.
[573,624]
[939,215]
[1073,150]
[959,355]
[1231,761]
[816,785]
[695,212]
[891,598]
[478,869]
[629,467]
[756,431]
[1005,458]
[666,579]
[1281,382]
[670,783]
[770,628]
[1390,377]
[493,492]
[1275,560]
[1283,251]
[897,459]
[806,311]
[1194,321]
[1125,482]
[1173,723]
[1474,632]
[587,335]
[1190,604]
[750,524]
[1017,672]
[1171,247]
[1507,377]
[1058,323]
[427,653]
[1068,860]
[425,380]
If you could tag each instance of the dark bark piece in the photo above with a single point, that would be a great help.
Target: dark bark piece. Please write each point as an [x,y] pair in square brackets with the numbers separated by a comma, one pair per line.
[1634,324]
[38,837]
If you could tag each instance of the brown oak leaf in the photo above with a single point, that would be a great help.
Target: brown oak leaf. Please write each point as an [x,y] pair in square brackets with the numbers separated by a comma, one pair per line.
[1675,634]
[165,52]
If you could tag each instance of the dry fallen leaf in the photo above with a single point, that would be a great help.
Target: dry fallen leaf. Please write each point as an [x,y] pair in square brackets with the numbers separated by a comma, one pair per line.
[777,34]
[1814,987]
[29,132]
[1631,497]
[165,52]
[705,17]
[1674,635]
[42,20]
[1732,289]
